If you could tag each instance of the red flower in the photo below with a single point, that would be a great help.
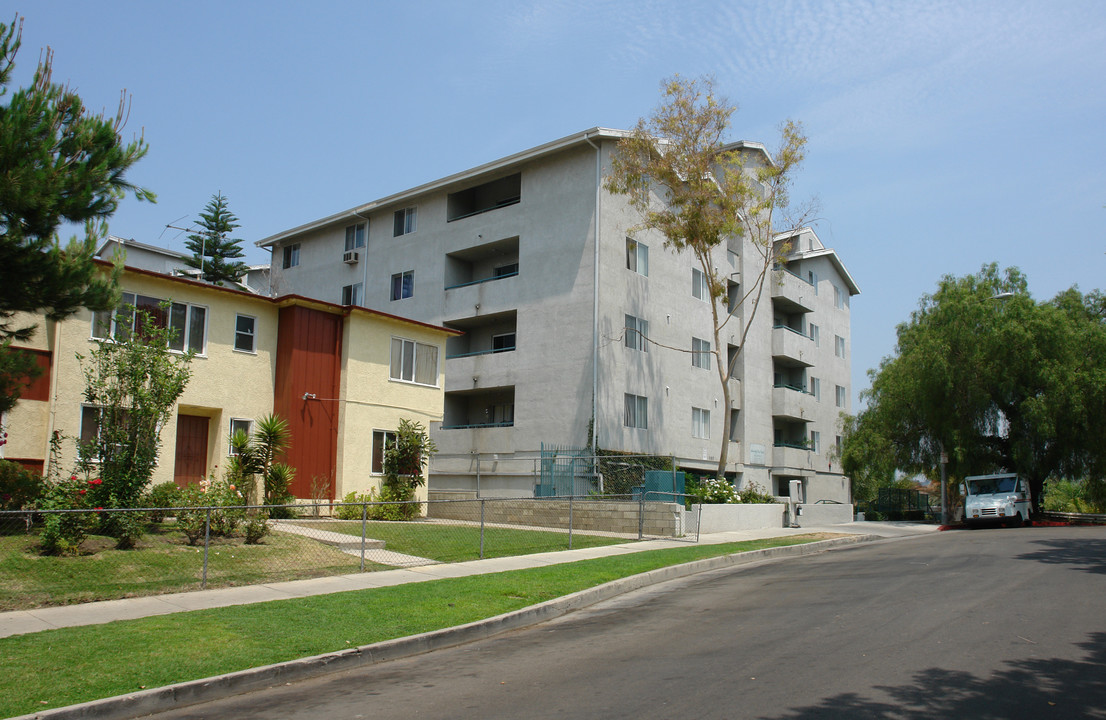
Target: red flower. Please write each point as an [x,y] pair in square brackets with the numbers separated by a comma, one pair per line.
[97,481]
[72,477]
[99,508]
[81,491]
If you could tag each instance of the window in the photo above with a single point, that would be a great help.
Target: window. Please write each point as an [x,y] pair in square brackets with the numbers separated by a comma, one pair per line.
[502,414]
[245,333]
[700,423]
[90,424]
[812,278]
[837,444]
[838,298]
[414,362]
[238,425]
[816,388]
[503,343]
[187,322]
[637,411]
[841,397]
[403,285]
[839,346]
[815,441]
[815,335]
[700,289]
[735,436]
[351,294]
[505,270]
[355,236]
[637,330]
[700,353]
[291,256]
[381,439]
[404,223]
[637,257]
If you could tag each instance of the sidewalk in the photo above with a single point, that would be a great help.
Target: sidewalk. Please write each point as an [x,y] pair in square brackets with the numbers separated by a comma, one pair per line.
[20,622]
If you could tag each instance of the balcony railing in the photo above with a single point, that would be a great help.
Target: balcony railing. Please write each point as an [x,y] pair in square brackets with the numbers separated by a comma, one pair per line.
[478,425]
[484,280]
[796,388]
[480,352]
[792,445]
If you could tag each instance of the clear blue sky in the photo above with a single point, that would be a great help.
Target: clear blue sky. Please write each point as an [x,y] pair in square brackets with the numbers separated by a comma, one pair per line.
[943,135]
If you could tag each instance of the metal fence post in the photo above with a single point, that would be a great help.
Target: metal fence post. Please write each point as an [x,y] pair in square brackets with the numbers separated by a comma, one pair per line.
[481,528]
[569,522]
[641,515]
[364,522]
[207,545]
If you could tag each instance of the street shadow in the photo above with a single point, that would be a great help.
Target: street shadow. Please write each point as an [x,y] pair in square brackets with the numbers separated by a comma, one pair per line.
[1080,553]
[1031,689]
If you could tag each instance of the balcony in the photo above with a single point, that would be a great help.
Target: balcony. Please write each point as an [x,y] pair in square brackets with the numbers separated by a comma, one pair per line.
[484,198]
[790,455]
[792,403]
[479,408]
[792,347]
[735,393]
[791,293]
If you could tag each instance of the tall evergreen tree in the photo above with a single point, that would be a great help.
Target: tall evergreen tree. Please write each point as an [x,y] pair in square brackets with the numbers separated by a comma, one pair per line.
[58,164]
[214,253]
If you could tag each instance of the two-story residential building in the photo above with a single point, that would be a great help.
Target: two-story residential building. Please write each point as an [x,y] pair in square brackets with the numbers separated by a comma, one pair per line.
[536,263]
[341,375]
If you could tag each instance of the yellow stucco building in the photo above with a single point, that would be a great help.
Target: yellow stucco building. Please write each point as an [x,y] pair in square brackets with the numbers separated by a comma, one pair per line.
[343,376]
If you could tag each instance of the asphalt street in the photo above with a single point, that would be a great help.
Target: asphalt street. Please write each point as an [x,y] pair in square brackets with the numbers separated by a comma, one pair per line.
[999,623]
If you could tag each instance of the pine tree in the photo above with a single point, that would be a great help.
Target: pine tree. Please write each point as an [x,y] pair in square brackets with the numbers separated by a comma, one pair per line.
[58,164]
[212,250]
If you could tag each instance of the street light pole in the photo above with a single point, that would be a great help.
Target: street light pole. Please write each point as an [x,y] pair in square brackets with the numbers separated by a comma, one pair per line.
[944,489]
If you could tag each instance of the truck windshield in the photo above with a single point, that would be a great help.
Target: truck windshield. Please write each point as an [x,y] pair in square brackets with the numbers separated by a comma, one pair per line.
[987,486]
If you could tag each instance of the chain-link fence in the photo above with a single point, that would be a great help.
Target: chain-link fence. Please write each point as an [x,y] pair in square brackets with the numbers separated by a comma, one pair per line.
[58,557]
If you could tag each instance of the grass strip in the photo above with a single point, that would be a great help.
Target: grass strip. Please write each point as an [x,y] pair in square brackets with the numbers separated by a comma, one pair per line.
[62,667]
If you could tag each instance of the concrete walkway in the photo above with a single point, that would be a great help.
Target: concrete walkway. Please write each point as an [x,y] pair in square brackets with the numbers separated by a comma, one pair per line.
[20,622]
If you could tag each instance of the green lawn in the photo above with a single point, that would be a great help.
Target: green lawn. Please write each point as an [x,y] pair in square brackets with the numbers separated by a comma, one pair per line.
[457,543]
[163,562]
[71,665]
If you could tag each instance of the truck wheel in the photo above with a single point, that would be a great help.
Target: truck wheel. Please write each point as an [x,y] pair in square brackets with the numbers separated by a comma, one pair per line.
[1016,521]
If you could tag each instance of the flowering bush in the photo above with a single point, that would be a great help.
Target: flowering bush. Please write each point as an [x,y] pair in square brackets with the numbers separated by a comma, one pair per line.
[63,532]
[19,487]
[712,491]
[227,511]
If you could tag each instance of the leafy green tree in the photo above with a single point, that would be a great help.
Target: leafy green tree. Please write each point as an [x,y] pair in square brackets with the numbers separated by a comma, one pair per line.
[701,193]
[135,381]
[58,164]
[866,455]
[996,380]
[213,251]
[405,462]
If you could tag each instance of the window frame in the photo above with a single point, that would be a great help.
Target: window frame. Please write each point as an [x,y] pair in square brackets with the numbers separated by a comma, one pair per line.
[355,236]
[636,333]
[351,294]
[251,334]
[838,346]
[405,221]
[406,285]
[637,257]
[411,361]
[636,413]
[376,463]
[105,326]
[840,396]
[230,426]
[700,423]
[815,388]
[291,257]
[506,348]
[700,287]
[700,353]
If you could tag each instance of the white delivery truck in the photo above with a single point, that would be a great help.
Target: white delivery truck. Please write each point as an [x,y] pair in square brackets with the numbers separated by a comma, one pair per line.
[1002,498]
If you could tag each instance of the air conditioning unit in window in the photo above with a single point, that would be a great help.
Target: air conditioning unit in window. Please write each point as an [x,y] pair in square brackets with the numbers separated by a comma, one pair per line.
[350,257]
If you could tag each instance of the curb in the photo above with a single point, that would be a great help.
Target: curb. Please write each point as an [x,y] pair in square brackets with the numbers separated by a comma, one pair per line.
[147,702]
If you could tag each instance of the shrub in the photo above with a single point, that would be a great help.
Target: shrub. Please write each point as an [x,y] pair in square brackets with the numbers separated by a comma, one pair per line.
[351,511]
[256,527]
[163,496]
[127,527]
[63,532]
[712,491]
[19,487]
[755,494]
[395,504]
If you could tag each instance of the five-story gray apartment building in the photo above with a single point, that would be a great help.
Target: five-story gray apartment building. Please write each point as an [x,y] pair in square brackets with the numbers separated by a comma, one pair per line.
[537,263]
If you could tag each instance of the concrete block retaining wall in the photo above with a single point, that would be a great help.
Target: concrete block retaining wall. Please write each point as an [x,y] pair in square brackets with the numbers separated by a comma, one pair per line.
[661,519]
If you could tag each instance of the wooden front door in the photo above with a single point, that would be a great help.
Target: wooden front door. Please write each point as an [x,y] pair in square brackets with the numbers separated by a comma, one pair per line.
[190,465]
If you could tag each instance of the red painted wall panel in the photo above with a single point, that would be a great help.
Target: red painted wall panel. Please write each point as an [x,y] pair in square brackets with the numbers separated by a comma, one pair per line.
[309,349]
